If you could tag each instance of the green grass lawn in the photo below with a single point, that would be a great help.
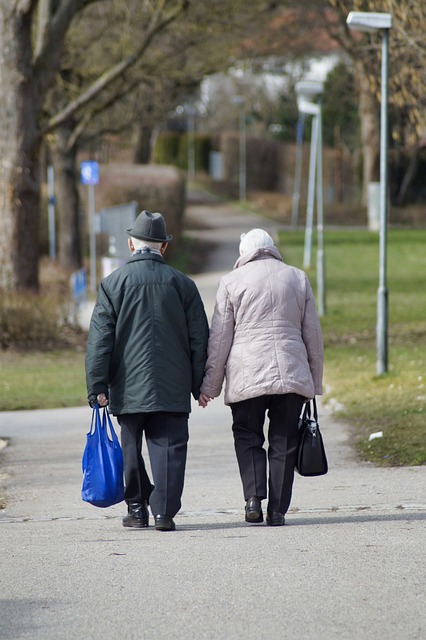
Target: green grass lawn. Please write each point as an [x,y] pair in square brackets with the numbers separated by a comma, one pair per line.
[394,403]
[42,380]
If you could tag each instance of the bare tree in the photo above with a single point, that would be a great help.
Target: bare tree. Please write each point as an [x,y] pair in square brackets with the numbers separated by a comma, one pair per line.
[32,34]
[320,26]
[170,70]
[407,77]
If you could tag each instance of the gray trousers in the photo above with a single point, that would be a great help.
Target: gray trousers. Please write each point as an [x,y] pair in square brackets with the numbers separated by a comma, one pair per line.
[166,436]
[248,428]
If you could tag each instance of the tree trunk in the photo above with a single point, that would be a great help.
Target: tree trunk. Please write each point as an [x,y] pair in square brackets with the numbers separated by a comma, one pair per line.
[142,152]
[19,156]
[370,132]
[67,199]
[409,176]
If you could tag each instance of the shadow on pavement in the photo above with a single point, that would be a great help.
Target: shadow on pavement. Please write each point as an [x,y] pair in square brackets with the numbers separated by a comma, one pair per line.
[297,521]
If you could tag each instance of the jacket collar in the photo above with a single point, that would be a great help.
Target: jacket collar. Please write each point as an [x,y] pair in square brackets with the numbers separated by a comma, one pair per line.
[145,256]
[258,254]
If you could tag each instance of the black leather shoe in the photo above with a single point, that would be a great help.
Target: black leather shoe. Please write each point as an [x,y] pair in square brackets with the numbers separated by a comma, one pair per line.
[137,515]
[164,523]
[275,519]
[254,510]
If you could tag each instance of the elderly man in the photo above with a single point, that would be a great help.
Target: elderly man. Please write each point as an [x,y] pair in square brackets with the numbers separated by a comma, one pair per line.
[146,353]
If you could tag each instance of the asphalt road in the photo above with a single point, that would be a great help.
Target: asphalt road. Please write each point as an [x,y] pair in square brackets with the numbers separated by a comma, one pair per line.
[349,564]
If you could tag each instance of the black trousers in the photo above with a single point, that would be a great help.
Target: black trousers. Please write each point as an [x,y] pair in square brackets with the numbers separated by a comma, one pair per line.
[248,428]
[167,439]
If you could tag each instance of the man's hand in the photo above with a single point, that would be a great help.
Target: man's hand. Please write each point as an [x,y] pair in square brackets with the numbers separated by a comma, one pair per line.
[102,399]
[203,400]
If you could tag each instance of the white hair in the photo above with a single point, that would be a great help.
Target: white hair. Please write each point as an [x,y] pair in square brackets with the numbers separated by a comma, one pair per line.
[142,244]
[255,239]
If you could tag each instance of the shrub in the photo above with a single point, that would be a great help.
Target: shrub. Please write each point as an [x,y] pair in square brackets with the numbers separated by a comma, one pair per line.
[262,161]
[167,148]
[172,148]
[38,320]
[202,148]
[27,320]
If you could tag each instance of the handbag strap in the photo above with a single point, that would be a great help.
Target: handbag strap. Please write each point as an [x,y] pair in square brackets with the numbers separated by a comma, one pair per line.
[308,411]
[315,412]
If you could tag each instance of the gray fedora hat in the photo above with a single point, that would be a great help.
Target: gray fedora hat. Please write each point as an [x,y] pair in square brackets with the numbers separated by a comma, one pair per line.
[149,226]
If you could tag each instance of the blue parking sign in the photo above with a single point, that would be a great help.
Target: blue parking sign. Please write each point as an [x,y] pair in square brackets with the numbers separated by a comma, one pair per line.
[89,172]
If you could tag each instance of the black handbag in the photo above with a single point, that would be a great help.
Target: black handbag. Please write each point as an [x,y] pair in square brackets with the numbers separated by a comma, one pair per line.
[311,457]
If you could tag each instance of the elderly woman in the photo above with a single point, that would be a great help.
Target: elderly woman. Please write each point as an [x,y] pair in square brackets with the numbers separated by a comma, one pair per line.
[265,338]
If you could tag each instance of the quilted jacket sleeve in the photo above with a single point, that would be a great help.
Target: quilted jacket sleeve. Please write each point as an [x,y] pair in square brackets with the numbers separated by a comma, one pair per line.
[198,331]
[100,344]
[220,343]
[312,337]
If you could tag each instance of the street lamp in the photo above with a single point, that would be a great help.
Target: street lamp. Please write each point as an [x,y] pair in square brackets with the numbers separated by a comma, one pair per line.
[190,126]
[51,211]
[306,91]
[370,22]
[240,101]
[298,170]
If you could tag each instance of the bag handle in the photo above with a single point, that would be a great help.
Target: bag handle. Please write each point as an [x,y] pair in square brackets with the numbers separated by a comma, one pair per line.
[107,423]
[315,412]
[307,412]
[96,418]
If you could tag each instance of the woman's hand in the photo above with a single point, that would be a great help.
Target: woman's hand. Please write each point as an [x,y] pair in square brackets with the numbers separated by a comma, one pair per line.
[203,400]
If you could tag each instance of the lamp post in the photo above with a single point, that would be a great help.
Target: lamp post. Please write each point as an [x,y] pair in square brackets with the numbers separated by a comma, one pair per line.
[51,211]
[89,174]
[370,22]
[320,220]
[298,170]
[311,109]
[240,101]
[190,113]
[306,91]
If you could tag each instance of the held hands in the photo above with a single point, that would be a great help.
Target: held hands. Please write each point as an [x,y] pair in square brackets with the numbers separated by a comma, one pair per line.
[203,400]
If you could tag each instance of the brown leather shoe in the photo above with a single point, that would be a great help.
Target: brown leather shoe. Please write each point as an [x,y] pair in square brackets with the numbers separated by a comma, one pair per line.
[137,516]
[254,510]
[275,519]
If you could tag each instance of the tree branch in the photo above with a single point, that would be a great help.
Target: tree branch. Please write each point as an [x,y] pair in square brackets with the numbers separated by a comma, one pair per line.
[156,25]
[92,113]
[25,6]
[51,30]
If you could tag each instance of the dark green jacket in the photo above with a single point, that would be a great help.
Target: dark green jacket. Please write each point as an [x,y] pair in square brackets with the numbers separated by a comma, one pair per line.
[147,340]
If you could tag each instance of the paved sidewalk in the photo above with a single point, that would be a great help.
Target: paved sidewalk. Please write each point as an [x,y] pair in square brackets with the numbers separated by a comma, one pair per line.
[348,565]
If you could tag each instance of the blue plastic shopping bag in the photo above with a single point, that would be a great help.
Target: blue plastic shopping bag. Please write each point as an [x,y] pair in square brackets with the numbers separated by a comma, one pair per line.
[102,463]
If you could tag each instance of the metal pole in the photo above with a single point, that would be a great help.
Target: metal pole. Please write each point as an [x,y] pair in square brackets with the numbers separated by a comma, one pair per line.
[298,171]
[382,292]
[51,211]
[311,195]
[243,161]
[92,238]
[320,224]
[191,141]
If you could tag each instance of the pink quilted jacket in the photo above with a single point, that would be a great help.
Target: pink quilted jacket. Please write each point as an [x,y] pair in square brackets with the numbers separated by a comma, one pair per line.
[265,335]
